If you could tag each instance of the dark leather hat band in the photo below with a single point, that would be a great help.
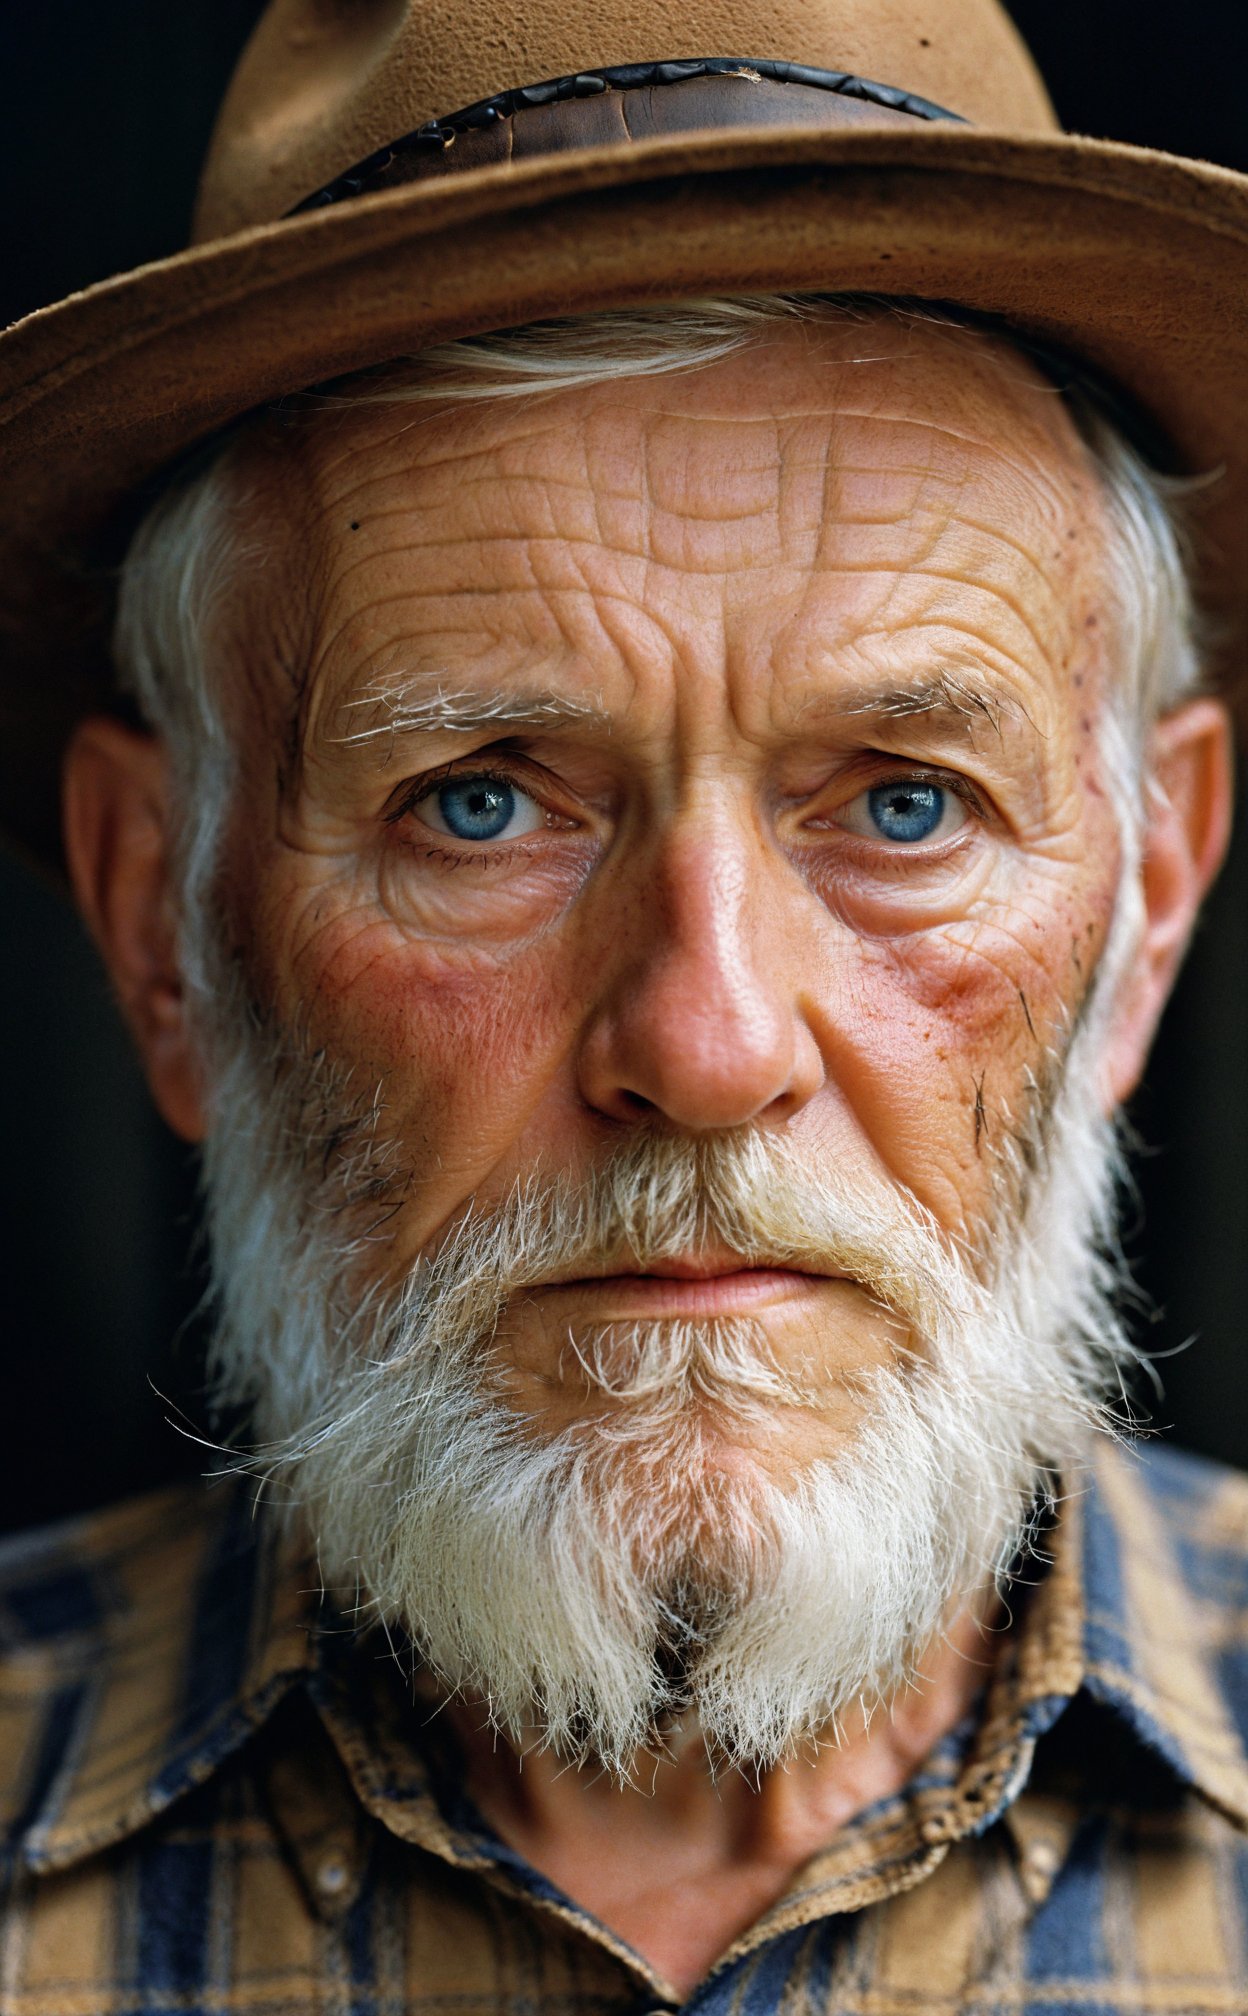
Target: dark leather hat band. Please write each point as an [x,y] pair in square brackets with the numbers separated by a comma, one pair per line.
[629,102]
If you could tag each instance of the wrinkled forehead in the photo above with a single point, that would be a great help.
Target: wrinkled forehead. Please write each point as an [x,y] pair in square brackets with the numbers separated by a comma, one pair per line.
[806,431]
[977,389]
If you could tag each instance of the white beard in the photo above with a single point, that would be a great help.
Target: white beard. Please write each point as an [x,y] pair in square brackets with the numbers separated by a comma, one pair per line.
[593,1584]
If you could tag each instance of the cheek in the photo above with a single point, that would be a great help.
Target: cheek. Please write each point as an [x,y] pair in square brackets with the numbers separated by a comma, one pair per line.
[944,1036]
[462,1048]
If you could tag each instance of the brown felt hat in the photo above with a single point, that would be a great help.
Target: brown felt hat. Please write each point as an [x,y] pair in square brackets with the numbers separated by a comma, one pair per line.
[390,173]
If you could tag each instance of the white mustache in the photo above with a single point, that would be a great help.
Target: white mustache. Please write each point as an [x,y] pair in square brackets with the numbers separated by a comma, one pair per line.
[669,1197]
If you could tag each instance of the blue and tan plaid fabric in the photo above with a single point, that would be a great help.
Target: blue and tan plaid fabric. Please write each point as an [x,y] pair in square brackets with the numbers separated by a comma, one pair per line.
[215,1799]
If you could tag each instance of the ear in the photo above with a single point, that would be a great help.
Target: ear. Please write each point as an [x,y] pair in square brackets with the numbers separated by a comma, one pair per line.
[1187,826]
[117,842]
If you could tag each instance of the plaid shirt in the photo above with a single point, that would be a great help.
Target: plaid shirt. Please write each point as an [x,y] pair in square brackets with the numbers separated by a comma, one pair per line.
[214,1798]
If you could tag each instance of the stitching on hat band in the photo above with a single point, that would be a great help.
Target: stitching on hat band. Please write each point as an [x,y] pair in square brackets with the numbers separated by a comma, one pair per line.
[433,138]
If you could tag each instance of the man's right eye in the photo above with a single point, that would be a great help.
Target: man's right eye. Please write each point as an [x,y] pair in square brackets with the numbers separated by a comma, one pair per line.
[480,808]
[905,811]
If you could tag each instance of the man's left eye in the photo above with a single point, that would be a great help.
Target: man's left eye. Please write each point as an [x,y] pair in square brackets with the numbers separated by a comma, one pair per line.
[480,808]
[905,810]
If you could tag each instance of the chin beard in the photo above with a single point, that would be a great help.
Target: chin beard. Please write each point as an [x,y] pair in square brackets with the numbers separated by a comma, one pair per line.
[593,1585]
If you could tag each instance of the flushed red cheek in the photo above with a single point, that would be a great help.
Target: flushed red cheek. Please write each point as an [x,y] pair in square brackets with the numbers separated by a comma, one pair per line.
[940,1039]
[463,1048]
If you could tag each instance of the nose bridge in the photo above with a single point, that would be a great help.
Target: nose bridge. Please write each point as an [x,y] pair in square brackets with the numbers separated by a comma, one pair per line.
[708,890]
[703,1021]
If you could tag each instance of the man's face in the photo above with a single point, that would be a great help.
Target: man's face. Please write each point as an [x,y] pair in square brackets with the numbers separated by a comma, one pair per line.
[716,752]
[658,1006]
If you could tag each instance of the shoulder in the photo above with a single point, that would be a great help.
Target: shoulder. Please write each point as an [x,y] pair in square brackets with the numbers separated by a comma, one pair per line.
[1202,1508]
[71,1586]
[102,1618]
[1204,1505]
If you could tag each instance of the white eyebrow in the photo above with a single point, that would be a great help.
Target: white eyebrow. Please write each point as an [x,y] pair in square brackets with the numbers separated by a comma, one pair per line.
[945,695]
[947,700]
[413,709]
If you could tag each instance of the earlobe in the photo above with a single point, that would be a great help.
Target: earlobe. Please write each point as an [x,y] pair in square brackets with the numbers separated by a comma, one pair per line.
[1186,829]
[117,844]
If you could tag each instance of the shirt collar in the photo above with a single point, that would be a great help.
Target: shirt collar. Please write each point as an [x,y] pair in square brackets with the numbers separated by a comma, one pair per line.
[151,1639]
[1151,1554]
[160,1636]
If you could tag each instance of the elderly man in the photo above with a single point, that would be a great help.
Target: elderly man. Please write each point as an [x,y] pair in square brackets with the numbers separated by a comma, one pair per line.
[659,813]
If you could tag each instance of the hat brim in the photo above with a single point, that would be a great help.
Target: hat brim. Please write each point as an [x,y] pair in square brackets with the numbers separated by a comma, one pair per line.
[1133,261]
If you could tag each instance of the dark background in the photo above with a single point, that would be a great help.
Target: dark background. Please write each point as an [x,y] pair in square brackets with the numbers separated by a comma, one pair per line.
[104,114]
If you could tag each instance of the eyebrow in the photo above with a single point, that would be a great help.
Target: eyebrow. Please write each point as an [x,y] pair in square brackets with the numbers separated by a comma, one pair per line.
[946,700]
[414,709]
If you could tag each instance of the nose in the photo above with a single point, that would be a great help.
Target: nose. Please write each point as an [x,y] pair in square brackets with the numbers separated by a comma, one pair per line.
[701,1021]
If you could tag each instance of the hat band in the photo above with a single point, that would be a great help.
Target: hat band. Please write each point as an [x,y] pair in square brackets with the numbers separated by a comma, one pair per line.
[625,102]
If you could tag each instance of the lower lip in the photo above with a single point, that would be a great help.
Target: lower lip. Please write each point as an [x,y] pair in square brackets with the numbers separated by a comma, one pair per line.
[670,1295]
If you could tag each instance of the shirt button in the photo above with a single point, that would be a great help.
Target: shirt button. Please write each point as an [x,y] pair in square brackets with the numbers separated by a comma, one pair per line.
[331,1876]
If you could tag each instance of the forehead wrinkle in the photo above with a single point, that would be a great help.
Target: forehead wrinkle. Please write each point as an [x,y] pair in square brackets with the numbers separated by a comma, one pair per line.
[573,547]
[648,471]
[828,411]
[1010,593]
[896,583]
[579,550]
[541,415]
[1000,595]
[986,444]
[576,552]
[1001,535]
[1047,467]
[927,480]
[930,520]
[866,570]
[837,414]
[338,622]
[380,428]
[940,519]
[599,492]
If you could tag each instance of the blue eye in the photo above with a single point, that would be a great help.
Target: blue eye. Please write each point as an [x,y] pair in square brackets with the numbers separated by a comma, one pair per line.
[479,808]
[905,811]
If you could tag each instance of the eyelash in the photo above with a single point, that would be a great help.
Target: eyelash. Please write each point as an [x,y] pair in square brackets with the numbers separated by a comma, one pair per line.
[486,857]
[436,848]
[420,787]
[943,780]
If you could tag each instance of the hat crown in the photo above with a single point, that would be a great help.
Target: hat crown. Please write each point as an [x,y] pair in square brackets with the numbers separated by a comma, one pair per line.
[324,83]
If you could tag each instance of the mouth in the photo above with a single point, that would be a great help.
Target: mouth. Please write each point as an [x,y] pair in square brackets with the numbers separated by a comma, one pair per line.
[678,1287]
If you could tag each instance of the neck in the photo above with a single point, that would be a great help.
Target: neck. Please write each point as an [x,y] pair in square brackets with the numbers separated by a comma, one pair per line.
[682,1860]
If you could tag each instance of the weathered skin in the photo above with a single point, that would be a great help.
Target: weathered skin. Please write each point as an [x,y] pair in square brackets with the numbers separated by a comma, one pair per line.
[693,933]
[742,570]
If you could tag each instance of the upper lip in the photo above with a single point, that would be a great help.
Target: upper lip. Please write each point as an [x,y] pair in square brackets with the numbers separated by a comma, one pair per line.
[706,1267]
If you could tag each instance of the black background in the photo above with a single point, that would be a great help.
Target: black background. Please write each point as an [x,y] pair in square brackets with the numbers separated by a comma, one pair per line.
[104,114]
